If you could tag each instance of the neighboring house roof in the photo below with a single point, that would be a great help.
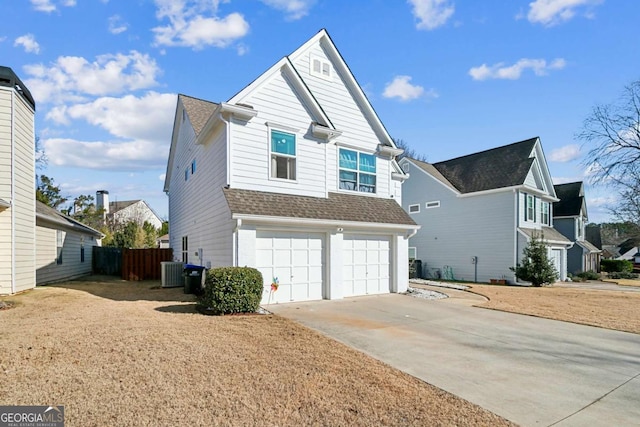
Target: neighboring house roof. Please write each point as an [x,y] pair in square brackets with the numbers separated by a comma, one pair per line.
[47,214]
[588,246]
[4,204]
[500,167]
[571,197]
[628,245]
[593,235]
[337,207]
[549,234]
[198,110]
[118,206]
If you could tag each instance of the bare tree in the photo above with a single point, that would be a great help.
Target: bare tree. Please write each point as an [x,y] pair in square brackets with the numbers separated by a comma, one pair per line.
[612,134]
[409,151]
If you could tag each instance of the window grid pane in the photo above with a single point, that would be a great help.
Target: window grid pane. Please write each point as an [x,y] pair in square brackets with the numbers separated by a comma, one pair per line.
[283,143]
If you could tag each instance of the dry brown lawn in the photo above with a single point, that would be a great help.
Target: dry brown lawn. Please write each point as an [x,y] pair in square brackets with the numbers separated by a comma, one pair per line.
[624,282]
[606,309]
[125,354]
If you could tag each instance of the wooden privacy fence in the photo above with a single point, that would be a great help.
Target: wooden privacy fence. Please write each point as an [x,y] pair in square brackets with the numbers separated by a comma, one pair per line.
[107,260]
[144,264]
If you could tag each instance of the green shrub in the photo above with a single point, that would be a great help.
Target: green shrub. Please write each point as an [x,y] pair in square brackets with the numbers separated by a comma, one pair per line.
[536,267]
[614,265]
[230,290]
[622,275]
[588,275]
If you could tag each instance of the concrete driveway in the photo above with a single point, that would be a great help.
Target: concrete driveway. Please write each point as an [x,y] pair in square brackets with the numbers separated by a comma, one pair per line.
[532,371]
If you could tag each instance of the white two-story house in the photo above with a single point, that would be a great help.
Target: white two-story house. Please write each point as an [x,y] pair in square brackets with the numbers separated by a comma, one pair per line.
[478,212]
[294,175]
[17,185]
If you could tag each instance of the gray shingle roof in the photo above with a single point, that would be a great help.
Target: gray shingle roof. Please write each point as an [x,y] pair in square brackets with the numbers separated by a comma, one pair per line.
[500,167]
[49,214]
[337,207]
[570,202]
[198,111]
[549,234]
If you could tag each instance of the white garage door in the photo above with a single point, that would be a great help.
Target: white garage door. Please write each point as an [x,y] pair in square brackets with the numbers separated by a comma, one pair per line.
[296,260]
[366,265]
[556,258]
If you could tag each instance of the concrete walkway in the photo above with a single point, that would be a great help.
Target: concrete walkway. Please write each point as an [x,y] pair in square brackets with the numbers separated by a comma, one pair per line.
[597,285]
[532,371]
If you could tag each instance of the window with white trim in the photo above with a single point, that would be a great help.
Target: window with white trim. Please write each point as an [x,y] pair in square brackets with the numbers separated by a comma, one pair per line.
[530,208]
[283,155]
[185,249]
[59,245]
[357,171]
[414,208]
[544,213]
[413,253]
[433,204]
[319,67]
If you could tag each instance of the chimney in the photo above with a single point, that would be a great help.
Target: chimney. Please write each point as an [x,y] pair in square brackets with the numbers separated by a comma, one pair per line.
[102,200]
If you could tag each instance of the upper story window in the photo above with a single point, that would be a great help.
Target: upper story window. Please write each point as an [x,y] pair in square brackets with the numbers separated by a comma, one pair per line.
[319,67]
[530,208]
[431,205]
[283,155]
[59,245]
[414,208]
[193,166]
[544,213]
[580,226]
[357,171]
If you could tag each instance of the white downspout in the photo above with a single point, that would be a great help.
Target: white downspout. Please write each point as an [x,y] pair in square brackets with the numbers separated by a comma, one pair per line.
[516,202]
[13,196]
[235,242]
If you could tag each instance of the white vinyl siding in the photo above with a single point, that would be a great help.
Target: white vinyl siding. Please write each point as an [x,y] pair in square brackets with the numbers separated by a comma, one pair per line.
[340,106]
[72,266]
[17,223]
[198,209]
[280,109]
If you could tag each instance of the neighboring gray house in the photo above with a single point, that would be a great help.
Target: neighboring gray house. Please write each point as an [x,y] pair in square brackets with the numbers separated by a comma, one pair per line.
[64,246]
[478,212]
[294,175]
[570,219]
[17,185]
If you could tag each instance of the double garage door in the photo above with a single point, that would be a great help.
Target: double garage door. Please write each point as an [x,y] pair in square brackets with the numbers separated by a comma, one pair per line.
[297,260]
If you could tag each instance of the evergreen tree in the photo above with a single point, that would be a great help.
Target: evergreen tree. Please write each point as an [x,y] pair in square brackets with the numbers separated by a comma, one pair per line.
[536,267]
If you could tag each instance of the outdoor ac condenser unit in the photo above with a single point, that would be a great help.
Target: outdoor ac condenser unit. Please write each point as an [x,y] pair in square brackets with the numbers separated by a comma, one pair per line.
[172,274]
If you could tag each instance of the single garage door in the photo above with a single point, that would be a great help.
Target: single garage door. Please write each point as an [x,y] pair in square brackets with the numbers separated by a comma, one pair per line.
[296,259]
[366,264]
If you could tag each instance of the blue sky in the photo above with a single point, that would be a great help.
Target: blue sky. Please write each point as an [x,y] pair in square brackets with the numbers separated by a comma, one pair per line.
[449,77]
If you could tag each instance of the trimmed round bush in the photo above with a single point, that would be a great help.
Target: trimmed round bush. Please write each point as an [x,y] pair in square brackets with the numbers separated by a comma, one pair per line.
[229,290]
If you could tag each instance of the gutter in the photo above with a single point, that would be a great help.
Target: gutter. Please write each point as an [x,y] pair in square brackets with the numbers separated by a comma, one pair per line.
[328,224]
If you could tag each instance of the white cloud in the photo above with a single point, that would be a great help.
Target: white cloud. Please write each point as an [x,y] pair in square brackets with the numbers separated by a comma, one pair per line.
[49,6]
[432,14]
[193,23]
[553,12]
[28,42]
[106,155]
[71,78]
[162,176]
[295,9]
[116,26]
[149,117]
[540,67]
[565,154]
[400,87]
